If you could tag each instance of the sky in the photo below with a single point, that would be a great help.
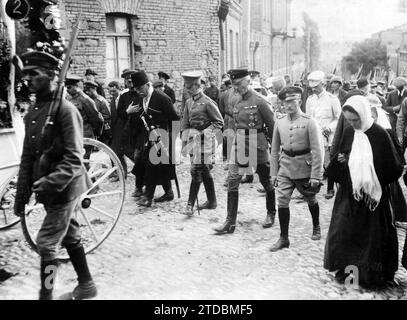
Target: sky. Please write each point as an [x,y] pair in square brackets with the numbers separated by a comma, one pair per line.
[348,20]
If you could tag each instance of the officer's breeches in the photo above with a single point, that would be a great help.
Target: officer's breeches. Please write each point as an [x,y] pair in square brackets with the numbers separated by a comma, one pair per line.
[199,172]
[58,227]
[236,173]
[286,188]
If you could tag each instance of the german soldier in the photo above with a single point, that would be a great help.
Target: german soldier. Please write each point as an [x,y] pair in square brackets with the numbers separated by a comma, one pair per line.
[90,88]
[57,176]
[300,163]
[252,115]
[201,122]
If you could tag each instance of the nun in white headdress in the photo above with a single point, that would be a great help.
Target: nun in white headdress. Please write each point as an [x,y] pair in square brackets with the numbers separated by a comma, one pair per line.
[362,231]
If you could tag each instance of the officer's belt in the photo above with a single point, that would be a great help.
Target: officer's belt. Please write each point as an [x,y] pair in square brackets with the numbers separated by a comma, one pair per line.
[248,131]
[293,154]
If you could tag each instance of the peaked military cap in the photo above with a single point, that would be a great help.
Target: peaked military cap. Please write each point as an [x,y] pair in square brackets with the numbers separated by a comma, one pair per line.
[72,79]
[192,75]
[254,73]
[238,73]
[158,83]
[290,93]
[90,72]
[35,59]
[127,73]
[91,84]
[139,78]
[163,75]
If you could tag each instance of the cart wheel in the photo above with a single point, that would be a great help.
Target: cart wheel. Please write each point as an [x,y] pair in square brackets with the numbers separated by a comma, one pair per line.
[99,207]
[7,197]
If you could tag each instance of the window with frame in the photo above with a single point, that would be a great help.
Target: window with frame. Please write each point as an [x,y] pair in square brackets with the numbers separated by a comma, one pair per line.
[118,45]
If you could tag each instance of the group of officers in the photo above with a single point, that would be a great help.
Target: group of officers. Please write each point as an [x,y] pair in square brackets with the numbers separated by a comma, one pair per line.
[286,149]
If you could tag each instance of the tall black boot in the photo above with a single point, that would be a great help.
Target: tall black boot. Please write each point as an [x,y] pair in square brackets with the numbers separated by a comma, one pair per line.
[271,208]
[230,223]
[48,275]
[284,218]
[86,288]
[193,194]
[211,204]
[316,232]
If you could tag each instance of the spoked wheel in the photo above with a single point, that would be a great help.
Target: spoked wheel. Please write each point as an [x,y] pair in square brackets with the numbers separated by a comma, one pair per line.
[7,197]
[99,208]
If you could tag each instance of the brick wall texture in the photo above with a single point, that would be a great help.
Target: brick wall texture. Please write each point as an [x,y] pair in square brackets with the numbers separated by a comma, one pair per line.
[174,35]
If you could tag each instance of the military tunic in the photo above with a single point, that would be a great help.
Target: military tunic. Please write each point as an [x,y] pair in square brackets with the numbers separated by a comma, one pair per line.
[254,123]
[63,175]
[301,157]
[92,118]
[201,125]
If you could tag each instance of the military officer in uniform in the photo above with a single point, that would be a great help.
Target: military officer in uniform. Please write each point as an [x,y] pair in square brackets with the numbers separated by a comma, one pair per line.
[92,118]
[252,115]
[201,126]
[53,169]
[300,163]
[90,88]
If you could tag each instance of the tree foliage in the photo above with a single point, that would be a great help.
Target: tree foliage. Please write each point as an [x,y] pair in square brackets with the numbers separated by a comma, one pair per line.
[312,42]
[370,53]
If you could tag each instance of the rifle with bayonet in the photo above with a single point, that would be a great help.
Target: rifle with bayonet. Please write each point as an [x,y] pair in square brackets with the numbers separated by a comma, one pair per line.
[47,137]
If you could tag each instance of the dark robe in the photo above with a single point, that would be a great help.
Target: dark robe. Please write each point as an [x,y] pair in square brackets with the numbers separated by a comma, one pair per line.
[357,236]
[160,114]
[122,143]
[169,92]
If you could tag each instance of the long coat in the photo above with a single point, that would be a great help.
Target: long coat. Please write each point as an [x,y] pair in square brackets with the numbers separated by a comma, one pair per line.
[357,236]
[160,114]
[123,143]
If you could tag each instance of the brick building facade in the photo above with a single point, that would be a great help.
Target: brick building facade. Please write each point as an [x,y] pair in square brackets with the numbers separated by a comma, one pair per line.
[170,36]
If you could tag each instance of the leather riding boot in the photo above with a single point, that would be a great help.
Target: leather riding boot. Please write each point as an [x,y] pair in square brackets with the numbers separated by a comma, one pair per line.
[193,194]
[316,232]
[271,208]
[232,206]
[86,288]
[284,218]
[48,274]
[211,204]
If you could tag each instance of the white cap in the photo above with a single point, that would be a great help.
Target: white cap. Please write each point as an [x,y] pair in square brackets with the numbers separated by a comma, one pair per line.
[315,78]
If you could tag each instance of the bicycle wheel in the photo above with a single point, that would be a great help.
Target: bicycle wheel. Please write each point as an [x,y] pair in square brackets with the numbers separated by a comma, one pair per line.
[7,197]
[99,208]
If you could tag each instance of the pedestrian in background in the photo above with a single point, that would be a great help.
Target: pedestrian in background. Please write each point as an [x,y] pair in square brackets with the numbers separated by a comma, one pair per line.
[90,88]
[325,108]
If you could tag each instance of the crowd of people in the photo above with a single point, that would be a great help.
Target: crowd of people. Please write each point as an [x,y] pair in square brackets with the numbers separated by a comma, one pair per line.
[292,135]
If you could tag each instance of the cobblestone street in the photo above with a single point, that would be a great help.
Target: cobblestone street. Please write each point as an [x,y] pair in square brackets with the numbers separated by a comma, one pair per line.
[158,253]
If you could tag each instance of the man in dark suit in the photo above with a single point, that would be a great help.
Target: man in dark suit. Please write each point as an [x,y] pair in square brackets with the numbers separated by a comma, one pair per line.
[56,174]
[123,145]
[167,90]
[394,100]
[157,113]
